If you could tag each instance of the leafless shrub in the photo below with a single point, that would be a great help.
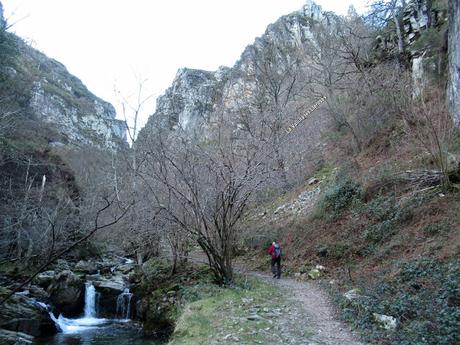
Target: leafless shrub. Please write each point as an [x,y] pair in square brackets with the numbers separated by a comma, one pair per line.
[430,125]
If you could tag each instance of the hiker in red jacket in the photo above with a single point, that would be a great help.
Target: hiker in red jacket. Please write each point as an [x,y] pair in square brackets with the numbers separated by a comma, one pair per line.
[275,252]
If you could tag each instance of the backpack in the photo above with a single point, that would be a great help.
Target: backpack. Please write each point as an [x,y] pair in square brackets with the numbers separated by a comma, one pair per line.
[277,252]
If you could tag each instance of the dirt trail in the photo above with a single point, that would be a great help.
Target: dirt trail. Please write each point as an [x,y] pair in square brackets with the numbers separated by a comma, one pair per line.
[318,311]
[311,309]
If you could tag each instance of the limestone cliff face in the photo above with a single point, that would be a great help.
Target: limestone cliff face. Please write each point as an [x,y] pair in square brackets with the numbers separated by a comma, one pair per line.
[454,60]
[196,96]
[424,29]
[191,99]
[63,102]
[45,95]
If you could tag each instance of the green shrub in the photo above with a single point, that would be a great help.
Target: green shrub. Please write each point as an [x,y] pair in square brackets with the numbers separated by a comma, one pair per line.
[382,208]
[338,197]
[386,214]
[425,299]
[434,229]
[8,47]
[335,251]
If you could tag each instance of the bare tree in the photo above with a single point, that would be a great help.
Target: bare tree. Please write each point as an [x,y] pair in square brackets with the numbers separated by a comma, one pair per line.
[429,123]
[276,82]
[203,188]
[115,215]
[142,240]
[361,95]
[384,12]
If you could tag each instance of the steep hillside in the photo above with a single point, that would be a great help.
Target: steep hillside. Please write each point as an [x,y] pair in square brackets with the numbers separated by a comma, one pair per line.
[55,136]
[41,91]
[366,188]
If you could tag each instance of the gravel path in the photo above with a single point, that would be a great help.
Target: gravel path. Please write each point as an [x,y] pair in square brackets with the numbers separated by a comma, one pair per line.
[317,310]
[309,319]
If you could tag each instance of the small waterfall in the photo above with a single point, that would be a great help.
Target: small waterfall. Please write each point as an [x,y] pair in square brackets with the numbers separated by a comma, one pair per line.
[124,304]
[90,300]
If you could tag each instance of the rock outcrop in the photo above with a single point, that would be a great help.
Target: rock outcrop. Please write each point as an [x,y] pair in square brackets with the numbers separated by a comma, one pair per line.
[22,313]
[15,338]
[61,101]
[67,293]
[56,103]
[197,99]
[191,99]
[424,28]
[454,60]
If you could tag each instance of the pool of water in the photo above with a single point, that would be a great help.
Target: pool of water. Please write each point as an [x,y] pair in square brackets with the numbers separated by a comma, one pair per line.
[105,331]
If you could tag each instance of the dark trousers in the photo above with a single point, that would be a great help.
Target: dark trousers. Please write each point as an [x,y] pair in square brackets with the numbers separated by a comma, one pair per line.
[276,267]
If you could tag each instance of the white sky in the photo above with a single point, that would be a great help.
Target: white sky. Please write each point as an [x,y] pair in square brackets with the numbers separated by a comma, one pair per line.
[112,44]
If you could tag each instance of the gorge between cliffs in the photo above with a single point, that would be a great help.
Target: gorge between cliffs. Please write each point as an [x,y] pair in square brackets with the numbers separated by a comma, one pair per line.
[336,137]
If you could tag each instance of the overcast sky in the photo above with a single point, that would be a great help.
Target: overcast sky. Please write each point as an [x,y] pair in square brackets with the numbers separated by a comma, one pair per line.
[111,44]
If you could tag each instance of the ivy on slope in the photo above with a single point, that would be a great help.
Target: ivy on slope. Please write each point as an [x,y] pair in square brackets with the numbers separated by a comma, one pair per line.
[424,297]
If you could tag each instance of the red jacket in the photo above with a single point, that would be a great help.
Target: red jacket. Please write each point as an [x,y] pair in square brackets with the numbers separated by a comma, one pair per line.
[271,250]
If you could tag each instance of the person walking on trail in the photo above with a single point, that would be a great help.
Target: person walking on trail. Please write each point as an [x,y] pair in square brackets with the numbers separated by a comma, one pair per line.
[275,252]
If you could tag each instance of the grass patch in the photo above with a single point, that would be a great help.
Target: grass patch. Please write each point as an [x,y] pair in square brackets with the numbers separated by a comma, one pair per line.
[216,315]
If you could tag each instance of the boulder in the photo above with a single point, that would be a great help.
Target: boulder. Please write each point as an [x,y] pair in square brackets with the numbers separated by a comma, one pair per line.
[125,269]
[113,285]
[314,273]
[61,265]
[22,313]
[109,289]
[105,267]
[313,181]
[44,279]
[385,321]
[15,338]
[38,293]
[352,294]
[87,267]
[67,293]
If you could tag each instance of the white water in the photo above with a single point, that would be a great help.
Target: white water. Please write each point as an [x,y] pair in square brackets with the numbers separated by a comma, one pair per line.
[90,300]
[124,304]
[89,320]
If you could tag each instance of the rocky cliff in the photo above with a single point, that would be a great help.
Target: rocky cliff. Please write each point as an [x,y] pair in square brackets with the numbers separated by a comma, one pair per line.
[44,94]
[62,101]
[196,97]
[52,129]
[192,98]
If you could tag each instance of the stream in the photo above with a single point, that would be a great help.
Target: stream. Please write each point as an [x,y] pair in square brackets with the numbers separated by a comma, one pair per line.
[91,330]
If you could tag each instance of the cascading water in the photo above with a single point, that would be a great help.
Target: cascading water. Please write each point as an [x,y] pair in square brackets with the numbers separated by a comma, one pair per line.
[124,304]
[89,319]
[90,300]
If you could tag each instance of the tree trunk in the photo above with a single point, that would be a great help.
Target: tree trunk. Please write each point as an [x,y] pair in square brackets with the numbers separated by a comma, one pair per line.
[453,93]
[399,35]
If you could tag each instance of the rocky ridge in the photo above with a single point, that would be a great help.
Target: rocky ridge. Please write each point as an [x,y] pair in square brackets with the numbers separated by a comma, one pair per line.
[61,101]
[55,103]
[196,97]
